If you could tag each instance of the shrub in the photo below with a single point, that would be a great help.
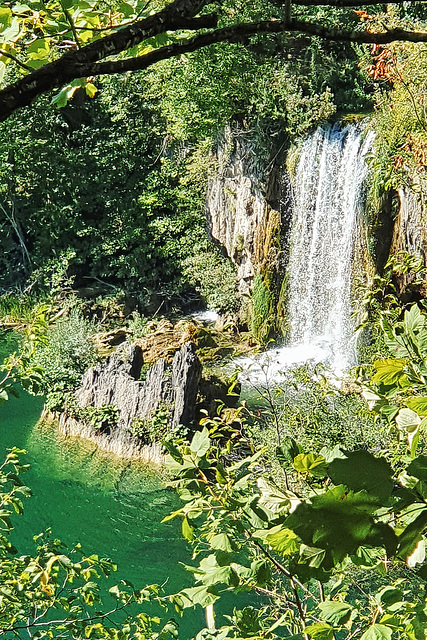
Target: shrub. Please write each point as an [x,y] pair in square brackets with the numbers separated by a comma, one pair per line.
[68,353]
[215,277]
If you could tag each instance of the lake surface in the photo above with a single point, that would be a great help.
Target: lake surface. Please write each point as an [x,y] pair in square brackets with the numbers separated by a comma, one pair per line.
[112,507]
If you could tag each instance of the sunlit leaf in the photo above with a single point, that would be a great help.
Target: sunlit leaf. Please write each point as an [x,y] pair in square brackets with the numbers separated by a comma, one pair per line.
[388,371]
[200,443]
[336,613]
[310,463]
[377,632]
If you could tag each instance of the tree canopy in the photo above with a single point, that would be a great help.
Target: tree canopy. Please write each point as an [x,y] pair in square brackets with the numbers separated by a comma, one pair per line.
[66,44]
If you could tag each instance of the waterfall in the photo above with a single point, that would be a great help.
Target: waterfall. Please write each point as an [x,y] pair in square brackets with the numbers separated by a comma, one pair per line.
[327,202]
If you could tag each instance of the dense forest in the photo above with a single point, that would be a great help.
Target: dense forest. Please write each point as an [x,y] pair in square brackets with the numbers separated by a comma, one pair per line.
[120,123]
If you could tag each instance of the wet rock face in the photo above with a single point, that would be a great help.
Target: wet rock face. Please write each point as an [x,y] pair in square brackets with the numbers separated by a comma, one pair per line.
[410,235]
[410,230]
[115,382]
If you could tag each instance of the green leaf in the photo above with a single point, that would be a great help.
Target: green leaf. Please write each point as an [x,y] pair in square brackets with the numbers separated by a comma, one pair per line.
[377,632]
[411,535]
[388,596]
[38,50]
[91,90]
[200,443]
[340,521]
[282,540]
[199,595]
[222,542]
[419,405]
[312,556]
[388,371]
[413,320]
[272,497]
[320,631]
[12,31]
[418,468]
[366,557]
[310,463]
[173,451]
[336,613]
[61,98]
[407,420]
[287,451]
[361,470]
[187,529]
[5,17]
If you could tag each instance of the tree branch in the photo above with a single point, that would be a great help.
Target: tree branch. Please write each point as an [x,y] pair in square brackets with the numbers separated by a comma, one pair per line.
[180,14]
[177,15]
[240,32]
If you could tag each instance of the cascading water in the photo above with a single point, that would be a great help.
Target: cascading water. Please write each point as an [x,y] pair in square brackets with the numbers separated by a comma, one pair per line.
[327,200]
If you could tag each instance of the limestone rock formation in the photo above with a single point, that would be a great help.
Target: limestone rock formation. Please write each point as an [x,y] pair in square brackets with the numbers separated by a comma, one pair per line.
[243,206]
[410,234]
[115,382]
[410,230]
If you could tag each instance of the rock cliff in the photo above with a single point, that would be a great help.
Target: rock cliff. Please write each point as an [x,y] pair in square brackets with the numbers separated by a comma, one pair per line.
[410,228]
[243,205]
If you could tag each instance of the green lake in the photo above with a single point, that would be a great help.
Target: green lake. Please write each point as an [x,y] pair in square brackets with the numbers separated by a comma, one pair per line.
[112,507]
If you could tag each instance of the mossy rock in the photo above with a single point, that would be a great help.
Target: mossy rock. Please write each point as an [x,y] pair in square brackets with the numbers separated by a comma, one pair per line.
[214,354]
[204,339]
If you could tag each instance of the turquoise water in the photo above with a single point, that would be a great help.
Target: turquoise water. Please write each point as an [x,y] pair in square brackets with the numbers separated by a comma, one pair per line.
[112,507]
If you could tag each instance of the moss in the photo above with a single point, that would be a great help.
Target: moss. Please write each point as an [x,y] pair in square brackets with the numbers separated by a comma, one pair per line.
[204,339]
[263,320]
[281,320]
[215,354]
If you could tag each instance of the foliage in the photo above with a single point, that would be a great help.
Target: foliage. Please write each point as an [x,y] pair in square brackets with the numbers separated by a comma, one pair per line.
[17,308]
[301,537]
[308,407]
[400,117]
[401,276]
[71,41]
[137,325]
[235,84]
[102,418]
[398,387]
[20,368]
[88,213]
[215,277]
[67,353]
[155,428]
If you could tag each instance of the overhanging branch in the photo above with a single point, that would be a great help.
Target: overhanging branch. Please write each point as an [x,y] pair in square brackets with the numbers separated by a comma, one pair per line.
[242,31]
[180,14]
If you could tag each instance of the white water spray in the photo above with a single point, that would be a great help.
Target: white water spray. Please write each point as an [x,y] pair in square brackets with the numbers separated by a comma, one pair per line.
[328,200]
[327,203]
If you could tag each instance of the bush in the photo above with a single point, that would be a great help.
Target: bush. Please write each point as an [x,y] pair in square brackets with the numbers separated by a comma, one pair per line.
[68,353]
[215,277]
